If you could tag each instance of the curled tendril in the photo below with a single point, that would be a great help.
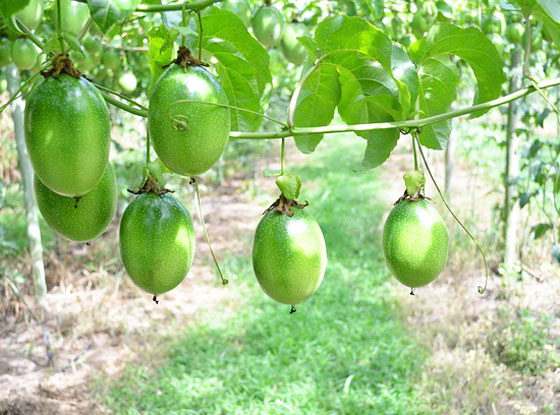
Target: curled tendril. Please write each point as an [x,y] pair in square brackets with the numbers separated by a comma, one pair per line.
[480,289]
[180,122]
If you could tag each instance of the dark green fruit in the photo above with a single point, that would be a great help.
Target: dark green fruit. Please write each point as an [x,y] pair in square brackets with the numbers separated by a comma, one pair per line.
[188,137]
[241,8]
[24,54]
[83,219]
[5,52]
[31,14]
[127,81]
[92,45]
[415,243]
[289,256]
[293,50]
[515,32]
[268,26]
[67,131]
[157,242]
[74,15]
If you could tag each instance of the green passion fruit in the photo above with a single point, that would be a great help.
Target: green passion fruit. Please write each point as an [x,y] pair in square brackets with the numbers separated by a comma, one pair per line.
[74,15]
[80,219]
[515,32]
[24,54]
[157,242]
[241,8]
[127,81]
[293,50]
[31,14]
[289,255]
[67,132]
[5,52]
[268,26]
[415,242]
[188,137]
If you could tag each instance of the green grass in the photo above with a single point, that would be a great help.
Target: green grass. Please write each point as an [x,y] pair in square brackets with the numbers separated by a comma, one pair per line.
[345,351]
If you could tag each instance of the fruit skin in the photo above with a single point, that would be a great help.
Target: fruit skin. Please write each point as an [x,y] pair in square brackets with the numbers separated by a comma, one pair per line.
[157,242]
[491,24]
[67,132]
[189,138]
[515,32]
[289,256]
[92,45]
[81,220]
[74,16]
[5,52]
[82,61]
[293,50]
[24,54]
[241,8]
[415,243]
[31,14]
[111,60]
[268,26]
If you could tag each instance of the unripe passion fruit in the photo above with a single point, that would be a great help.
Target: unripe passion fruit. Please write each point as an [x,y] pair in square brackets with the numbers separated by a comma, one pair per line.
[31,14]
[74,15]
[188,137]
[24,54]
[415,242]
[515,32]
[241,8]
[157,242]
[289,256]
[83,219]
[5,52]
[293,50]
[268,26]
[67,132]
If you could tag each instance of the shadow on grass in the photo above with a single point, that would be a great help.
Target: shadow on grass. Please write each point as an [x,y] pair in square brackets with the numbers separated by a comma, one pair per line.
[344,352]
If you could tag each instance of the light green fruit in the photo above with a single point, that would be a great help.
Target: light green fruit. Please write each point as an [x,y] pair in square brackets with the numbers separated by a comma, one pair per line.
[127,81]
[83,219]
[24,54]
[111,59]
[515,32]
[268,26]
[289,256]
[293,50]
[74,15]
[415,243]
[31,14]
[157,242]
[188,137]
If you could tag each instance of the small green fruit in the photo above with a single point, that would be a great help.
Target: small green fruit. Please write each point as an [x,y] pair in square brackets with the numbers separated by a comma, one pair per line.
[24,54]
[415,243]
[127,81]
[157,242]
[289,256]
[241,8]
[293,50]
[268,26]
[5,52]
[31,14]
[515,32]
[83,219]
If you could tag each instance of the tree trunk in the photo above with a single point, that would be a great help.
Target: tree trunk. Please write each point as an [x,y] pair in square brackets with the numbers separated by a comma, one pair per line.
[33,230]
[511,207]
[449,165]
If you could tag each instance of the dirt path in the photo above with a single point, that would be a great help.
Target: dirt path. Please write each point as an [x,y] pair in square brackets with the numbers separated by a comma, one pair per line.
[99,322]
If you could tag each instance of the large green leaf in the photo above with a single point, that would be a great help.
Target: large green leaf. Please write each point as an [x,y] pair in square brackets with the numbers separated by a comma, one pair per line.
[552,8]
[316,104]
[551,25]
[437,79]
[242,64]
[106,13]
[11,7]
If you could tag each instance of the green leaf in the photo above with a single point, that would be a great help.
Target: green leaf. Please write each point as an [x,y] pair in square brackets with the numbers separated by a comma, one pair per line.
[439,78]
[11,7]
[106,13]
[380,144]
[316,104]
[540,229]
[473,47]
[552,8]
[73,42]
[550,25]
[272,173]
[289,185]
[241,62]
[161,51]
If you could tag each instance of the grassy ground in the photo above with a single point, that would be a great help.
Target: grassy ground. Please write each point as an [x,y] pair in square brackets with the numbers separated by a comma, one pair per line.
[346,351]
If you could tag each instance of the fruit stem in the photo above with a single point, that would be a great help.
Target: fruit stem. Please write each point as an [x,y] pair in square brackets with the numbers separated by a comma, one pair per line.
[184,22]
[414,152]
[480,289]
[200,30]
[283,154]
[194,181]
[147,146]
[59,26]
